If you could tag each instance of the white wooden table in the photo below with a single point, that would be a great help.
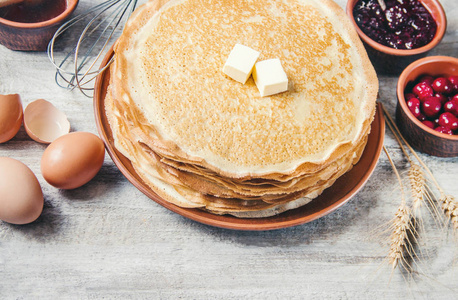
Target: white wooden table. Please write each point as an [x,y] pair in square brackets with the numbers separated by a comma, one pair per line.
[107,240]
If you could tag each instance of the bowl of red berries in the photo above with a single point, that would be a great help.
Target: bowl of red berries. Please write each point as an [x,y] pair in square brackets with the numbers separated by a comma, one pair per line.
[427,108]
[395,33]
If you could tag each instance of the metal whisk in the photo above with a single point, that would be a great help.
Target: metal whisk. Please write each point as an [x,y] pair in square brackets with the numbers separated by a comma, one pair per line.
[79,66]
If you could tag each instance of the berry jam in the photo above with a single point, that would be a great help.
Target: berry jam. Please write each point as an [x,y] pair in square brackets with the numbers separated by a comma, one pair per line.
[405,24]
[33,13]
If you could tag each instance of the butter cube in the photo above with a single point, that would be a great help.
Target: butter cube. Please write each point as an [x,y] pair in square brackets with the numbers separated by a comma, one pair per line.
[270,78]
[240,63]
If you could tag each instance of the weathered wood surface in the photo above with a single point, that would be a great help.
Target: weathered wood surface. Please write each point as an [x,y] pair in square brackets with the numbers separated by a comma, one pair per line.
[108,240]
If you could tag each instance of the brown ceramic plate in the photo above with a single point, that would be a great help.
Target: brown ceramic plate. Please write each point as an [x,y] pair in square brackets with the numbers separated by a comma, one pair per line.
[331,199]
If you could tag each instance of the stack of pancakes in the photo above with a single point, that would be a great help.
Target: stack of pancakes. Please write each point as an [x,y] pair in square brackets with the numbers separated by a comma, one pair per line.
[202,140]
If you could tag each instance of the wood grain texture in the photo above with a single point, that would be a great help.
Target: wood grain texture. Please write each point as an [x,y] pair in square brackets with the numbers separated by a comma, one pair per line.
[107,240]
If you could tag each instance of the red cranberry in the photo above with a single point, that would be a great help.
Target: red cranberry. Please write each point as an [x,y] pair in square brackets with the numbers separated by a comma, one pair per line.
[452,106]
[441,97]
[454,81]
[431,107]
[409,96]
[427,79]
[423,90]
[442,85]
[414,106]
[443,129]
[448,120]
[434,101]
[429,124]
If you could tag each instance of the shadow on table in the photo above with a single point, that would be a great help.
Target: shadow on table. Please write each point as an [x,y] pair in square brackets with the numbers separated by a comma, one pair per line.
[326,227]
[47,224]
[109,178]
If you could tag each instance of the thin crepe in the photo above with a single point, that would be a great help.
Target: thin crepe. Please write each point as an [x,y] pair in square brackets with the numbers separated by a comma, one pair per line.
[202,140]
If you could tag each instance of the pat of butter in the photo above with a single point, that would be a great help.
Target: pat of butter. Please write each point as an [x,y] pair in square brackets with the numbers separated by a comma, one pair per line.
[269,76]
[240,63]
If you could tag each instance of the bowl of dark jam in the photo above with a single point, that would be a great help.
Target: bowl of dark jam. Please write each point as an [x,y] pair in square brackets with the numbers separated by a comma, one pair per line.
[427,107]
[30,24]
[398,32]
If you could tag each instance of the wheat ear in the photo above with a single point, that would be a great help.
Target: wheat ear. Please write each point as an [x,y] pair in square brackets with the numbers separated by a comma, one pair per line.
[403,231]
[401,247]
[417,186]
[450,208]
[418,192]
[421,192]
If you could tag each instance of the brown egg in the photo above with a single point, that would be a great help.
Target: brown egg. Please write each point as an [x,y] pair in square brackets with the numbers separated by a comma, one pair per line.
[21,197]
[10,116]
[72,160]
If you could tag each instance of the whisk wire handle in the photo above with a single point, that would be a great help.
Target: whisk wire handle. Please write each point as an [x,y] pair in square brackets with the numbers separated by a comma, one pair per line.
[76,69]
[118,16]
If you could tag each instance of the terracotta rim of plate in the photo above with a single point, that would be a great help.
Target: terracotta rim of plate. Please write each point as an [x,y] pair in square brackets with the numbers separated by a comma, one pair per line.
[318,208]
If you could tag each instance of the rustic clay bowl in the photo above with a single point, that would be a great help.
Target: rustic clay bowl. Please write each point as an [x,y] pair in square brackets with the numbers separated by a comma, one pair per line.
[420,136]
[32,36]
[387,60]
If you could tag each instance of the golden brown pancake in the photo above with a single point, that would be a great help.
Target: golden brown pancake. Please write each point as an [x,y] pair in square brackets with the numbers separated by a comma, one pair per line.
[200,139]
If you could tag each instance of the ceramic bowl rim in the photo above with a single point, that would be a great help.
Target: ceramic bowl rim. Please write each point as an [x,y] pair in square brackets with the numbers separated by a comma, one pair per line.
[71,6]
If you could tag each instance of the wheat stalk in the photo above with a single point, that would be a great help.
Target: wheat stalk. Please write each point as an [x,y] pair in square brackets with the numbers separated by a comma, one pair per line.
[447,202]
[422,195]
[403,229]
[401,247]
[450,209]
[416,176]
[418,193]
[400,137]
[417,186]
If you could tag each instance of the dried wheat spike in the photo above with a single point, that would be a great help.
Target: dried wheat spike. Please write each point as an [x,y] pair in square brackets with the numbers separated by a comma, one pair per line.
[417,185]
[450,208]
[401,250]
